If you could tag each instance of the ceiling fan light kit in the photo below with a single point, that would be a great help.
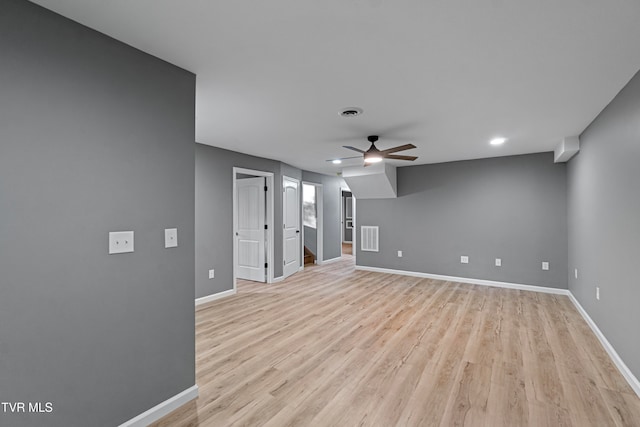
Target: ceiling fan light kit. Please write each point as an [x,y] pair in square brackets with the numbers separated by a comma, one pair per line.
[373,155]
[372,159]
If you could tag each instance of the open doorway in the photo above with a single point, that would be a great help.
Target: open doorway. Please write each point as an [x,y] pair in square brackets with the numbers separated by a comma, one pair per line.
[347,222]
[252,225]
[312,223]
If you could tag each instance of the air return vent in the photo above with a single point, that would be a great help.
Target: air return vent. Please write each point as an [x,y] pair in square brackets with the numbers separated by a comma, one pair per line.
[351,112]
[369,238]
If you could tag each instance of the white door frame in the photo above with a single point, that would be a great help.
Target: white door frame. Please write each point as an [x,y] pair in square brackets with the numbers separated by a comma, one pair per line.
[354,231]
[319,224]
[342,218]
[300,241]
[343,222]
[269,219]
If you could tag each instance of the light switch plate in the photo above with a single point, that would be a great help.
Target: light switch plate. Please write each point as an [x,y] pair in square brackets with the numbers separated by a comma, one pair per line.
[120,242]
[170,237]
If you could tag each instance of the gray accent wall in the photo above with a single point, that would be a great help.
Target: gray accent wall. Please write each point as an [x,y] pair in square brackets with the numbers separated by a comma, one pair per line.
[513,208]
[95,136]
[214,213]
[332,246]
[604,222]
[311,239]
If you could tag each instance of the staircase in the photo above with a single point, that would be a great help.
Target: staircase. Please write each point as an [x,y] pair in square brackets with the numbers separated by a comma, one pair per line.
[309,257]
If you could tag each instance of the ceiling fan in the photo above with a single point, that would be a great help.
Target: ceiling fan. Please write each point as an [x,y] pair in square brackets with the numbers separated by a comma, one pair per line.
[373,155]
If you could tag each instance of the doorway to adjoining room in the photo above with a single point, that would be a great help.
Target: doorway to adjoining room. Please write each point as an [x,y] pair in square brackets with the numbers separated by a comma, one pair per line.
[347,221]
[312,221]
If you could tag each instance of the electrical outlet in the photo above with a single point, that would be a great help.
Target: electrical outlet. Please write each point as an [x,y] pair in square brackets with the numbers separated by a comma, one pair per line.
[171,238]
[120,242]
[212,274]
[498,262]
[464,259]
[598,293]
[399,254]
[575,273]
[545,265]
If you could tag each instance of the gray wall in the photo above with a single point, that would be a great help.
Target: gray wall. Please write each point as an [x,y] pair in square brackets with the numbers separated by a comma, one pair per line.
[214,213]
[95,136]
[332,246]
[513,208]
[604,230]
[311,239]
[291,172]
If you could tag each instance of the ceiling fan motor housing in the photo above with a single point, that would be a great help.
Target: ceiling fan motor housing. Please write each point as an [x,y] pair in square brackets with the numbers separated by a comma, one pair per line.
[373,154]
[373,149]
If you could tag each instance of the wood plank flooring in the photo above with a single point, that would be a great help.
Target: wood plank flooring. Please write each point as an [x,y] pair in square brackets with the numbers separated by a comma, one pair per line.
[347,248]
[332,346]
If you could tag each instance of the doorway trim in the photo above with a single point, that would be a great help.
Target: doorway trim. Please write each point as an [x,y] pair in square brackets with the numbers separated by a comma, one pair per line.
[269,220]
[354,233]
[342,218]
[319,224]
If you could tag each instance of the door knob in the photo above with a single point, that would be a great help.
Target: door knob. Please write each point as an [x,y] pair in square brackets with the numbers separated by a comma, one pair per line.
[297,231]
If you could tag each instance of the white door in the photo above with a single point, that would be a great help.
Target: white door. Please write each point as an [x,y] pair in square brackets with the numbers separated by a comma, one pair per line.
[291,221]
[250,235]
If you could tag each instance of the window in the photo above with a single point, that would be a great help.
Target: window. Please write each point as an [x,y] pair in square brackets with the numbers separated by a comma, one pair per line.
[309,205]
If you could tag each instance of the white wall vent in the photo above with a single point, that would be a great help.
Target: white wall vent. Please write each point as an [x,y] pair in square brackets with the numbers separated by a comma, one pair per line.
[369,238]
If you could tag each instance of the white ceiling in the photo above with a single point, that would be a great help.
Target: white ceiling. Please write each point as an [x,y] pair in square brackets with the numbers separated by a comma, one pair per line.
[447,75]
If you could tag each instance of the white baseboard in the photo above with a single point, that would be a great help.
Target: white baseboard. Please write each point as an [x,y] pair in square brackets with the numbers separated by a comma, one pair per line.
[329,261]
[617,360]
[162,409]
[277,279]
[213,297]
[482,282]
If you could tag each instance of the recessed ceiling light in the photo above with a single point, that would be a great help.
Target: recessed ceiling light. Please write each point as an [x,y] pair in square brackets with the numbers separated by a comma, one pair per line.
[336,161]
[498,141]
[351,112]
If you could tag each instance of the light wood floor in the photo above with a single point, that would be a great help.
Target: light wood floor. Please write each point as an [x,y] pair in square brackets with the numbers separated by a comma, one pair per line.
[332,346]
[347,249]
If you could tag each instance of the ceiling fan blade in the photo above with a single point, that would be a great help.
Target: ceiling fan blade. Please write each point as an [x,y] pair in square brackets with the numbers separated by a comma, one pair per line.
[353,148]
[344,158]
[395,157]
[399,148]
